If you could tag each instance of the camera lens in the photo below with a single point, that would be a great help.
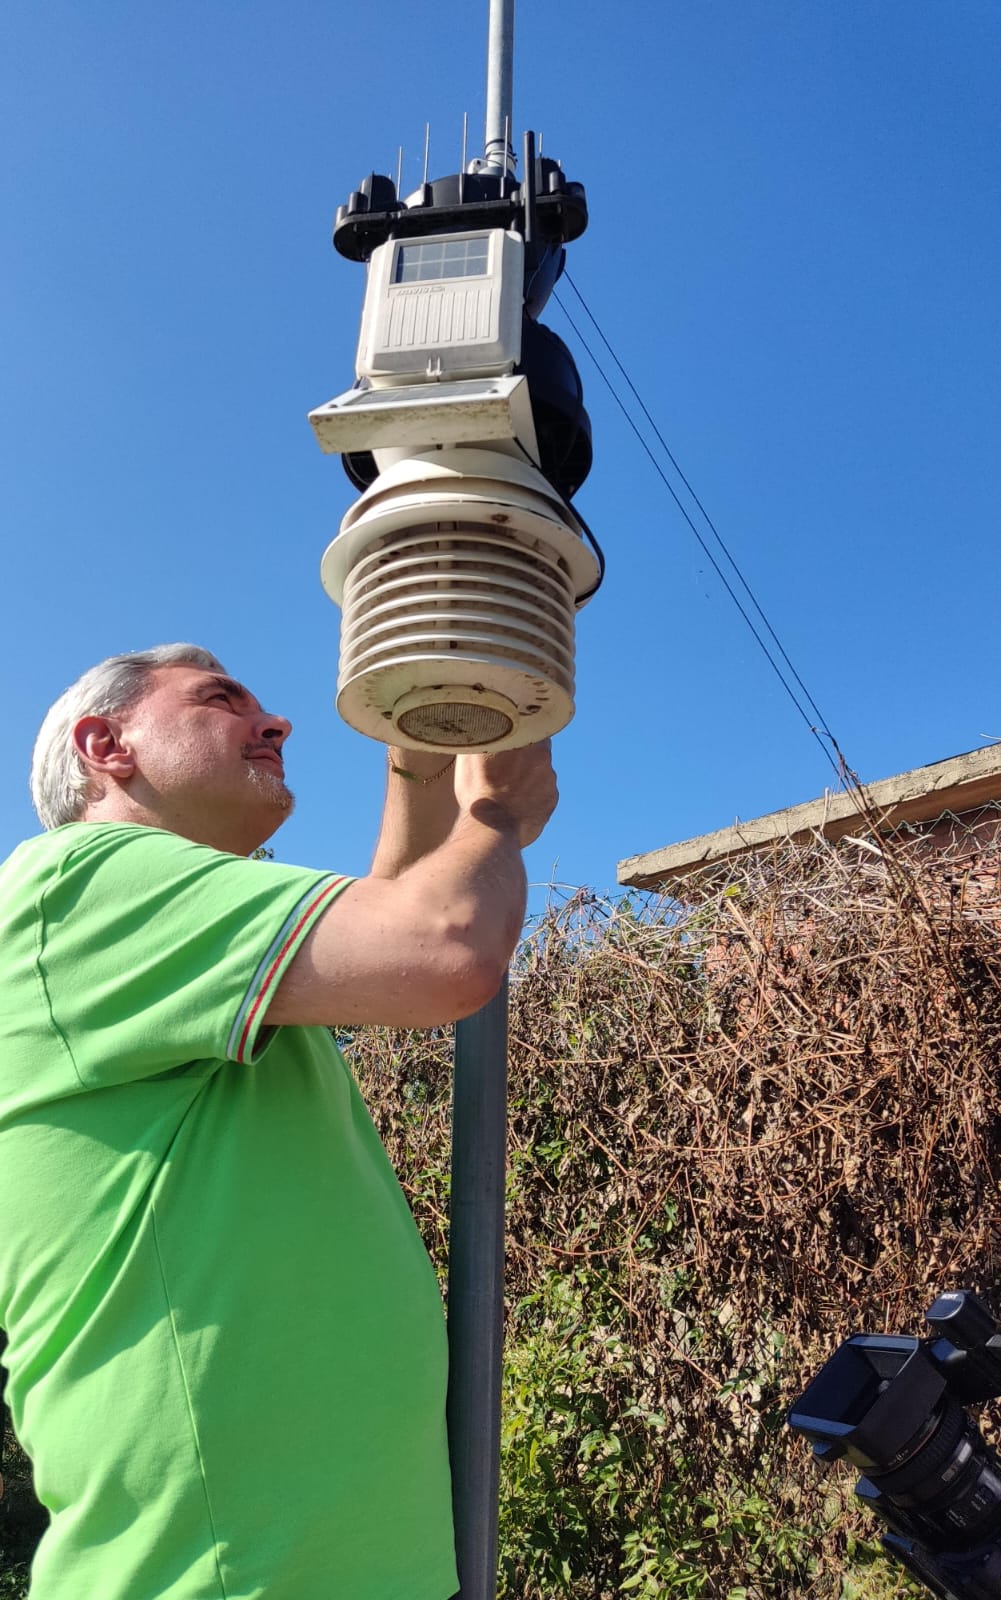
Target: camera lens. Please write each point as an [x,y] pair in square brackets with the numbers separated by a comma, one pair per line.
[952,1479]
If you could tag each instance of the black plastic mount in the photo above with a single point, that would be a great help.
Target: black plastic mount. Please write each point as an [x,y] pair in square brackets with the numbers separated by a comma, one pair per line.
[374,212]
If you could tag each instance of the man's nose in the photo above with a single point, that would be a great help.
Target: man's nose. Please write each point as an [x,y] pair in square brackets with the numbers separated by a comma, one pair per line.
[275,729]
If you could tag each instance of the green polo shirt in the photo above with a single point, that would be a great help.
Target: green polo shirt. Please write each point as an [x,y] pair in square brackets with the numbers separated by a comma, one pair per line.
[226,1350]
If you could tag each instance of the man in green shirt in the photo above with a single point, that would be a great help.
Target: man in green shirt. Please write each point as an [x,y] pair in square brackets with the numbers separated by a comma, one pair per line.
[226,1349]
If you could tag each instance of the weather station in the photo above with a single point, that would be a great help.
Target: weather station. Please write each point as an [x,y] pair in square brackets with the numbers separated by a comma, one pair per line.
[459,572]
[461,567]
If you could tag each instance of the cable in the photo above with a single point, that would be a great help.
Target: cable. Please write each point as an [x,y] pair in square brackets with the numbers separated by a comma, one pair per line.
[578,517]
[701,541]
[599,553]
[715,532]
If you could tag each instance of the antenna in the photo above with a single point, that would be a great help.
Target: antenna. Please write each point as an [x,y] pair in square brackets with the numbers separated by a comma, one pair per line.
[462,159]
[500,84]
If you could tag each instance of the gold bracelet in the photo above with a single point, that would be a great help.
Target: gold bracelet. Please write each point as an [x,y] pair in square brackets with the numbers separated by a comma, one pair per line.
[413,777]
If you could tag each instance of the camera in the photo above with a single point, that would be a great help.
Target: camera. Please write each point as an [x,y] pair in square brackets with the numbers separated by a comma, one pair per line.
[895,1408]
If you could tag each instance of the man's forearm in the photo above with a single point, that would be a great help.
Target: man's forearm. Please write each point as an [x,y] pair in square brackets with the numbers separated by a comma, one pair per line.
[472,890]
[419,945]
[420,950]
[419,811]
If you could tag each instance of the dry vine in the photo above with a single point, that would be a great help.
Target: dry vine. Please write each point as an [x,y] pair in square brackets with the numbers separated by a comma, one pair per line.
[750,1127]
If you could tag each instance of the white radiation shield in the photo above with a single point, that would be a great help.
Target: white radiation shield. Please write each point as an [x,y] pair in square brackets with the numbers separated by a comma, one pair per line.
[458,574]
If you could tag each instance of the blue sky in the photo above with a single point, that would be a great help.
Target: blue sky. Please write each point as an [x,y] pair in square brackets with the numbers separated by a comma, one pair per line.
[794,248]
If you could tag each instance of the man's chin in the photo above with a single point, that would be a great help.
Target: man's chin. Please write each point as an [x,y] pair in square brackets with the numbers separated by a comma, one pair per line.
[284,802]
[271,786]
[279,812]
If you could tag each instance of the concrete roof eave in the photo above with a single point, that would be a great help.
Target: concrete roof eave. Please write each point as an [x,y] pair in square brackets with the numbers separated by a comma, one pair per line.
[962,783]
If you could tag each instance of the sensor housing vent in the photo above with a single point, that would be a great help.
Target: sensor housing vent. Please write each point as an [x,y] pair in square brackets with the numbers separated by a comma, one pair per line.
[459,722]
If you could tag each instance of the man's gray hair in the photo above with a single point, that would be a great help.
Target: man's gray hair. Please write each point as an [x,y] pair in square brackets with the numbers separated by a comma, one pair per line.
[60,784]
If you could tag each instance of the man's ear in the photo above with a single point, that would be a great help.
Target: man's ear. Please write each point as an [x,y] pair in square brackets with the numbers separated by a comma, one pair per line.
[98,743]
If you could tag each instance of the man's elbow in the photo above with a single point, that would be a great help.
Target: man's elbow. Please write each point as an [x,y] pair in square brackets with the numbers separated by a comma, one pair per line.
[468,982]
[479,985]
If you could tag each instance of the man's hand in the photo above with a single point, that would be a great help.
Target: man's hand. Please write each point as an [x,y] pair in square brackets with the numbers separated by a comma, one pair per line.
[516,787]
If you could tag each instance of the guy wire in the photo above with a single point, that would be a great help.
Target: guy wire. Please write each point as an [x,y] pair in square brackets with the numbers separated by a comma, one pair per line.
[814,730]
[709,521]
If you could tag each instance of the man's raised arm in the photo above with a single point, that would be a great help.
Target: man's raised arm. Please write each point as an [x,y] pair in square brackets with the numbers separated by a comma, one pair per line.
[419,811]
[432,942]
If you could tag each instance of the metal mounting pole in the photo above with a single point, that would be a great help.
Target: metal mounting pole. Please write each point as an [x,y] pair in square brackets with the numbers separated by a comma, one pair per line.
[479,1138]
[500,81]
[476,1290]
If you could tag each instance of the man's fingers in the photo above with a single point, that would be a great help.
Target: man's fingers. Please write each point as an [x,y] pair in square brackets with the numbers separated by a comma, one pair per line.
[521,781]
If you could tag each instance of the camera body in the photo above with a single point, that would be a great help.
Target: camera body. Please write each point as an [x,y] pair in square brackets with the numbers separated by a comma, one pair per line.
[895,1408]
